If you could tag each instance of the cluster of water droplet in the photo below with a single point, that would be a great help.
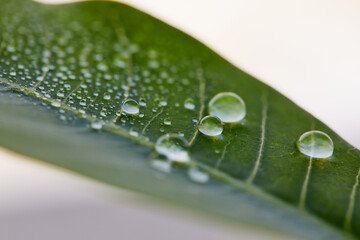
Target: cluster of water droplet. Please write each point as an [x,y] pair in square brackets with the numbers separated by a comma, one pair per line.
[223,108]
[174,148]
[226,107]
[85,77]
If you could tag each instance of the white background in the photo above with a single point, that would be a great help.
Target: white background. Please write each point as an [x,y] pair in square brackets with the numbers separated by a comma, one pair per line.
[308,50]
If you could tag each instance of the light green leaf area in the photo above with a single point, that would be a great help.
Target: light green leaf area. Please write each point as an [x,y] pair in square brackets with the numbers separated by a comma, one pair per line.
[63,67]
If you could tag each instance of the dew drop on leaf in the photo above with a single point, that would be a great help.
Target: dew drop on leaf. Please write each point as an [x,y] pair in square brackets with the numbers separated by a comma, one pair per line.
[107,96]
[197,175]
[133,132]
[142,102]
[130,106]
[174,147]
[83,102]
[56,103]
[189,104]
[210,126]
[161,165]
[315,144]
[228,107]
[96,125]
[167,121]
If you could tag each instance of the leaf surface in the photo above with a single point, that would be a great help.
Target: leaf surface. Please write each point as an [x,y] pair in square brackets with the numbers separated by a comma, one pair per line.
[63,68]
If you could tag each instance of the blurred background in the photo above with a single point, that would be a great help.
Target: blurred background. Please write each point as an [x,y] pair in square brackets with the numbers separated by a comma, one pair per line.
[307,50]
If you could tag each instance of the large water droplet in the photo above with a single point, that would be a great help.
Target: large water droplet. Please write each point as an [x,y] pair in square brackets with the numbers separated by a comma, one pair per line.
[210,126]
[227,106]
[315,144]
[130,106]
[173,147]
[198,176]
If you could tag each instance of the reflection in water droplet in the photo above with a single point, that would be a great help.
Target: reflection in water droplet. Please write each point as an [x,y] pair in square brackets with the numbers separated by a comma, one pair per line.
[173,147]
[130,106]
[96,125]
[227,106]
[161,165]
[198,176]
[315,144]
[189,104]
[210,126]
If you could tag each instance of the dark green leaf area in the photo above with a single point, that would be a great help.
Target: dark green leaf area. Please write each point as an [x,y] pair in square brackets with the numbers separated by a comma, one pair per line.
[66,67]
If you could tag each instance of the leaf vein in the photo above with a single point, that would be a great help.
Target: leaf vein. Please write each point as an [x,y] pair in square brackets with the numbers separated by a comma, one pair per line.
[202,102]
[351,206]
[262,141]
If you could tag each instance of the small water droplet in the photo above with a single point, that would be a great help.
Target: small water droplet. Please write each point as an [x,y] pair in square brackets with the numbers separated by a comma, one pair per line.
[228,107]
[162,103]
[189,104]
[130,106]
[198,176]
[173,147]
[56,103]
[167,121]
[315,144]
[142,102]
[60,94]
[96,125]
[210,126]
[161,165]
[133,132]
[102,66]
[83,102]
[107,96]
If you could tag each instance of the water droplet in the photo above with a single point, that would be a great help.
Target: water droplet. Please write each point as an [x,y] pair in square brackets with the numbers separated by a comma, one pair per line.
[227,106]
[162,103]
[96,125]
[161,165]
[102,66]
[133,132]
[60,94]
[167,121]
[189,104]
[198,176]
[107,96]
[210,126]
[174,147]
[56,103]
[83,102]
[142,102]
[130,106]
[315,144]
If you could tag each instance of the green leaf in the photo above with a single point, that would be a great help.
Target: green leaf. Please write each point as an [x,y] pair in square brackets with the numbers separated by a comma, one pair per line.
[65,67]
